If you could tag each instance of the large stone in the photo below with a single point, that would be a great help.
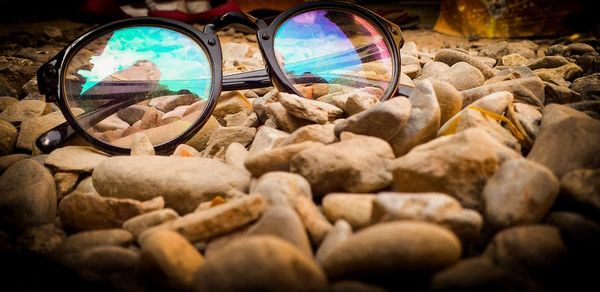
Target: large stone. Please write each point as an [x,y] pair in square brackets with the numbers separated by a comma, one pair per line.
[458,165]
[312,110]
[75,159]
[356,209]
[582,186]
[176,259]
[567,140]
[452,57]
[8,138]
[431,207]
[520,192]
[433,69]
[566,72]
[79,211]
[353,165]
[424,120]
[184,182]
[23,110]
[28,196]
[138,224]
[224,136]
[384,120]
[390,248]
[318,133]
[277,159]
[260,263]
[529,90]
[340,232]
[282,188]
[315,222]
[218,220]
[284,223]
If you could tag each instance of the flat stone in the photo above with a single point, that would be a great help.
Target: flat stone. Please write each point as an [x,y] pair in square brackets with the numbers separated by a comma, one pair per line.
[449,99]
[451,57]
[312,110]
[8,137]
[242,118]
[224,136]
[260,104]
[138,224]
[170,102]
[359,101]
[283,119]
[582,186]
[28,196]
[340,232]
[317,133]
[529,117]
[527,90]
[75,159]
[216,221]
[23,110]
[315,222]
[388,248]
[284,223]
[277,159]
[353,165]
[252,261]
[458,165]
[184,182]
[282,188]
[423,122]
[356,209]
[384,120]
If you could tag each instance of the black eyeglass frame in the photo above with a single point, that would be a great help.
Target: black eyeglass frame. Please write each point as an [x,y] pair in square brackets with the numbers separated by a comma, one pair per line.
[50,75]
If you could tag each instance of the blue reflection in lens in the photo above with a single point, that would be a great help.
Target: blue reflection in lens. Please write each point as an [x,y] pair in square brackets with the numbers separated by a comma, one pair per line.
[175,60]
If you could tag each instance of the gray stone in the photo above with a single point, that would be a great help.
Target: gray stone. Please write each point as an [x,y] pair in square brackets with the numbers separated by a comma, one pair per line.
[283,222]
[75,159]
[582,186]
[580,48]
[588,86]
[356,209]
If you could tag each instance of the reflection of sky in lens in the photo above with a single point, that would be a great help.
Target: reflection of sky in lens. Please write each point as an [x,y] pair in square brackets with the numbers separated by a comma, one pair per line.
[182,63]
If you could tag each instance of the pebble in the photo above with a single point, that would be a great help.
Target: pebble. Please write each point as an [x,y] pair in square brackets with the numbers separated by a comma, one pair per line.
[315,222]
[412,71]
[200,139]
[352,165]
[449,100]
[138,224]
[282,188]
[183,150]
[8,160]
[113,122]
[235,155]
[41,239]
[358,102]
[23,110]
[216,221]
[560,75]
[8,137]
[317,133]
[277,159]
[410,49]
[451,57]
[356,209]
[6,101]
[28,196]
[431,207]
[74,245]
[588,86]
[242,118]
[514,59]
[230,103]
[284,223]
[462,76]
[434,69]
[283,119]
[340,232]
[170,102]
[383,121]
[312,110]
[500,49]
[224,136]
[457,165]
[355,286]
[528,90]
[172,255]
[520,192]
[184,182]
[81,159]
[260,104]
[580,234]
[529,117]
[390,248]
[580,48]
[265,139]
[547,62]
[141,145]
[65,183]
[423,123]
[104,262]
[252,261]
[133,113]
[559,124]
[582,186]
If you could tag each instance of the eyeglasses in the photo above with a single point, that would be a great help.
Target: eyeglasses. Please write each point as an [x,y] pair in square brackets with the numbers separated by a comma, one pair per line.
[163,78]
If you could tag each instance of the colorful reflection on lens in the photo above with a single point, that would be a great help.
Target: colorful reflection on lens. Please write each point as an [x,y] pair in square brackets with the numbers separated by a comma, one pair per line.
[146,79]
[333,47]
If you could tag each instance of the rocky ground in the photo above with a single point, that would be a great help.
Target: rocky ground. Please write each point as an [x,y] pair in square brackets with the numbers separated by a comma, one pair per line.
[486,177]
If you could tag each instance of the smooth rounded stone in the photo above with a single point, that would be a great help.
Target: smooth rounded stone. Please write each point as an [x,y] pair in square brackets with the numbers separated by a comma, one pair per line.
[312,110]
[458,165]
[479,274]
[340,232]
[284,120]
[184,150]
[23,110]
[354,165]
[224,136]
[184,182]
[282,188]
[230,103]
[514,59]
[141,145]
[580,234]
[265,139]
[200,139]
[260,263]
[529,117]
[235,155]
[490,62]
[355,286]
[582,186]
[100,261]
[216,221]
[463,76]
[73,245]
[431,207]
[537,250]
[284,223]
[451,57]
[315,222]
[412,71]
[389,248]
[85,186]
[433,69]
[498,50]
[580,48]
[409,60]
[8,160]
[317,133]
[80,212]
[41,239]
[6,101]
[383,121]
[8,137]
[558,50]
[356,209]
[359,102]
[176,259]
[75,159]
[588,86]
[28,196]
[277,159]
[560,124]
[423,122]
[449,99]
[133,113]
[410,48]
[170,102]
[528,90]
[138,224]
[547,62]
[65,183]
[520,192]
